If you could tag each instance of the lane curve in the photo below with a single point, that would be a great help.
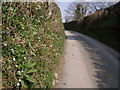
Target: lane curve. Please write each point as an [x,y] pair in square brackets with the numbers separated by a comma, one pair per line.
[88,63]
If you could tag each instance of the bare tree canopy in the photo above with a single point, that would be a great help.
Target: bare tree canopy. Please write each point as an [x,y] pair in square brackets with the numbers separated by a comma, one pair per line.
[77,10]
[94,6]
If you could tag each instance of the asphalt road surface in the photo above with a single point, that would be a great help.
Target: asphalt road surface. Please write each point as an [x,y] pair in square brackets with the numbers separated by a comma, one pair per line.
[88,63]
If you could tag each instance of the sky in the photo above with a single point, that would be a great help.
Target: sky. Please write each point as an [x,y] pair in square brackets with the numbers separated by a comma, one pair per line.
[63,4]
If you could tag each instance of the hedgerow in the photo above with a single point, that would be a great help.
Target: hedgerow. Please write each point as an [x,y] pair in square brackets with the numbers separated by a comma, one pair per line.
[102,25]
[32,44]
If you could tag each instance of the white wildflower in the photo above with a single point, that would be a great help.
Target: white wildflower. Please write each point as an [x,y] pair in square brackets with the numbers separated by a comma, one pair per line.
[7,28]
[18,84]
[5,44]
[38,37]
[18,71]
[12,49]
[19,80]
[4,62]
[16,65]
[24,57]
[50,13]
[22,71]
[13,59]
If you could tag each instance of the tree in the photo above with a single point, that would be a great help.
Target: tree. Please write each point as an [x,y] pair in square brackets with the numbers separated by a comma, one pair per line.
[91,7]
[76,11]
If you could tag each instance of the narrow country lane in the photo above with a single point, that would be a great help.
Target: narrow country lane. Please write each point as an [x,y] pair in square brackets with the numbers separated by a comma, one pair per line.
[88,63]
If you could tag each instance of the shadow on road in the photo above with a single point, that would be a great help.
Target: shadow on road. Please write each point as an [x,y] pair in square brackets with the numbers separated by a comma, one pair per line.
[72,37]
[106,71]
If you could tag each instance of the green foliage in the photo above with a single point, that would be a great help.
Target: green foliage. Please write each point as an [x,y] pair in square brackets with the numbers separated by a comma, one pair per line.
[25,76]
[19,64]
[32,44]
